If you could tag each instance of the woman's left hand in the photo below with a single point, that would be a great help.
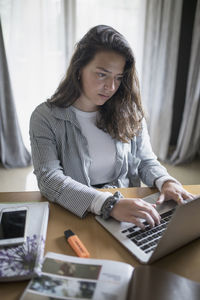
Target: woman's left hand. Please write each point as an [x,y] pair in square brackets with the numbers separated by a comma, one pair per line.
[172,190]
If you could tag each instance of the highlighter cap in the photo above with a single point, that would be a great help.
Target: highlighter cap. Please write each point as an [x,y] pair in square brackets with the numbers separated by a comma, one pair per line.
[68,233]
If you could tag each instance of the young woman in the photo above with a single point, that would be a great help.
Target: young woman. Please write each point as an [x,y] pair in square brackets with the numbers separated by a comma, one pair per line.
[92,134]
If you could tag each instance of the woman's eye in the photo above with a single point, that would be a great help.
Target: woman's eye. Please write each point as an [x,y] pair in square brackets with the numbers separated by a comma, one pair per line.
[119,78]
[101,75]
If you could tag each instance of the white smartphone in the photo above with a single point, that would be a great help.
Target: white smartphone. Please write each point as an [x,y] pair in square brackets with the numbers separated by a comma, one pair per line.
[13,223]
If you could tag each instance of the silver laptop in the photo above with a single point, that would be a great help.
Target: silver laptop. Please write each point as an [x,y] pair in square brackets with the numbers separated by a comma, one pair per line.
[179,226]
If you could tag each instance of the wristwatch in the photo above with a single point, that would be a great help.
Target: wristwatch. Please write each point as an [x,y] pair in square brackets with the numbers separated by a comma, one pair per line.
[109,204]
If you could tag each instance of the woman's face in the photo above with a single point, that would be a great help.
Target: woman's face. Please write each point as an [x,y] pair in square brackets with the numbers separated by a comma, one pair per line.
[100,80]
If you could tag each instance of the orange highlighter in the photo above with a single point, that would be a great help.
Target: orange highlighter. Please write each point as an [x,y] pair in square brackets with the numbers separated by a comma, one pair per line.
[76,244]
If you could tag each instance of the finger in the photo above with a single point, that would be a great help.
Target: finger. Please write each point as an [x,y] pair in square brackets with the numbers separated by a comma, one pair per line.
[179,199]
[135,220]
[146,206]
[153,213]
[192,196]
[161,199]
[188,196]
[147,217]
[150,209]
[138,223]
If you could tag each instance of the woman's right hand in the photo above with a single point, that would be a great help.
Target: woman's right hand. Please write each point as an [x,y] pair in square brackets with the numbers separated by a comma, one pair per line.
[133,210]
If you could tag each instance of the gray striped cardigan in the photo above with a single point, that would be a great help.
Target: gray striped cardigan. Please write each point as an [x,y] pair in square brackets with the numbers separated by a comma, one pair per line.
[61,159]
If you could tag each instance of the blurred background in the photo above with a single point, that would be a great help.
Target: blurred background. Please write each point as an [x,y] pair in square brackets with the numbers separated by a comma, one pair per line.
[36,43]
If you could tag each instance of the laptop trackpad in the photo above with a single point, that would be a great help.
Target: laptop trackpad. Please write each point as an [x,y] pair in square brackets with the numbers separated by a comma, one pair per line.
[161,208]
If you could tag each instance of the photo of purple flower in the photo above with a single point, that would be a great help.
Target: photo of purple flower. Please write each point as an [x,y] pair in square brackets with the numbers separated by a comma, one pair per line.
[22,260]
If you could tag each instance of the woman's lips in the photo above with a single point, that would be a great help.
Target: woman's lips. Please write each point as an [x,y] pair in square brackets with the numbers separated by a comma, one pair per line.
[104,96]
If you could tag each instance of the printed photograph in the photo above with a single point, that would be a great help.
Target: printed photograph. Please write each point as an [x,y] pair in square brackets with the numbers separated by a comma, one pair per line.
[56,287]
[69,269]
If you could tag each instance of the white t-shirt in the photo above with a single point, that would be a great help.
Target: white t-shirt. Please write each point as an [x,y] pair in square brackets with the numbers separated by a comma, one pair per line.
[101,148]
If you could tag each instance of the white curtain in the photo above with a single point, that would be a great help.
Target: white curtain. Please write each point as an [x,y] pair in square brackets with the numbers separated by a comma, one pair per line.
[12,150]
[37,39]
[188,144]
[162,30]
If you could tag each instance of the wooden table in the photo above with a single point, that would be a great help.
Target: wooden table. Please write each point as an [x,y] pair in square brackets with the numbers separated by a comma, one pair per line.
[185,261]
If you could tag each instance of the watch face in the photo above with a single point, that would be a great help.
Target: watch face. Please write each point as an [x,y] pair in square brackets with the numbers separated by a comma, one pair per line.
[108,206]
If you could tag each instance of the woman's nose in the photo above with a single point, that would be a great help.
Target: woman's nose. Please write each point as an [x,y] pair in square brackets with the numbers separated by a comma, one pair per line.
[110,84]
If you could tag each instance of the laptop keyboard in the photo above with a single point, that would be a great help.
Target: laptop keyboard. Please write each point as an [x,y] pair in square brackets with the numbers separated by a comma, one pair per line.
[148,238]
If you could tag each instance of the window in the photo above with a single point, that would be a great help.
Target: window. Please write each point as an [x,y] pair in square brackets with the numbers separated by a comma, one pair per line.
[36,36]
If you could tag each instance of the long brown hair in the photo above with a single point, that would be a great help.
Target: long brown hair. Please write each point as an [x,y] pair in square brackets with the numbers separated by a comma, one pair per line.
[121,115]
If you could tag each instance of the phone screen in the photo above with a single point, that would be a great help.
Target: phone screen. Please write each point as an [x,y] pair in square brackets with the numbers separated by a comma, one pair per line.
[13,224]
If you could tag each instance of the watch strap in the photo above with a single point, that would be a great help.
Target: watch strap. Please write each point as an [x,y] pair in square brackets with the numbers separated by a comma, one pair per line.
[109,204]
